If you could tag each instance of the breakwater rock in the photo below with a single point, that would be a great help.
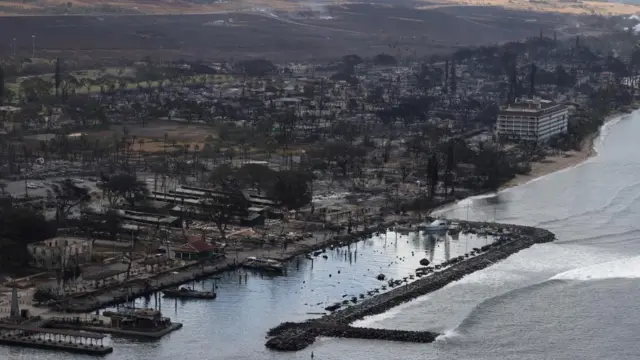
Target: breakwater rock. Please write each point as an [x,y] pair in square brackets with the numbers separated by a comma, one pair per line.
[439,279]
[304,334]
[291,336]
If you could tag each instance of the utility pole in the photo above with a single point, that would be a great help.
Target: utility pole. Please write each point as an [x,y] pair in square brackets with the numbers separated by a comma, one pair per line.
[33,46]
[14,47]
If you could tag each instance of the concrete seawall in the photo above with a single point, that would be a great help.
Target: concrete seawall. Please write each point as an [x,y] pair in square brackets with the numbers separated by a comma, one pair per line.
[297,336]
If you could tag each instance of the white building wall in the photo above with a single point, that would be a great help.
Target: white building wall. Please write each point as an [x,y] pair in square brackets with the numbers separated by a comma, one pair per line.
[533,128]
[51,253]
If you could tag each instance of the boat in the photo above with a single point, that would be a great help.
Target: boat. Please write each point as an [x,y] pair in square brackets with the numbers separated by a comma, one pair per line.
[184,293]
[435,226]
[263,264]
[454,229]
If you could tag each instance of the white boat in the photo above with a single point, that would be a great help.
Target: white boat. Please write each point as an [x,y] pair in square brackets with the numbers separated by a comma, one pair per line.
[263,264]
[435,226]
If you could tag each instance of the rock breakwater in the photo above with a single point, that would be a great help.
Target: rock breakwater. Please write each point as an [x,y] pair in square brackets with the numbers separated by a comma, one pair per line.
[297,336]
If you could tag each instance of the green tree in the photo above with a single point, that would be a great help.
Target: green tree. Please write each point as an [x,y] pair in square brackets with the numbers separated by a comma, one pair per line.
[293,188]
[19,227]
[257,176]
[124,187]
[68,195]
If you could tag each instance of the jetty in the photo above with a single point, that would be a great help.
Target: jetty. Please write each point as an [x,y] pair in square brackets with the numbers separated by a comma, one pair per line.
[295,339]
[297,336]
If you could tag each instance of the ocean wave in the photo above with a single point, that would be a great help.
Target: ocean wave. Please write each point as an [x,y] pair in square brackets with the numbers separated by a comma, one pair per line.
[611,203]
[614,236]
[628,268]
[475,315]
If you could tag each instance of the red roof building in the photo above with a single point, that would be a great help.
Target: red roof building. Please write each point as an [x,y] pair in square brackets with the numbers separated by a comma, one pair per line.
[195,250]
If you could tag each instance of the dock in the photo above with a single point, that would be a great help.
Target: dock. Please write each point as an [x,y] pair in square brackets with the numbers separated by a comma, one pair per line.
[53,339]
[80,325]
[130,322]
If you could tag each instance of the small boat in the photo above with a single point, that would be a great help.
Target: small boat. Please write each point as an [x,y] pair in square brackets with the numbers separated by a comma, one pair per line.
[263,264]
[436,226]
[184,293]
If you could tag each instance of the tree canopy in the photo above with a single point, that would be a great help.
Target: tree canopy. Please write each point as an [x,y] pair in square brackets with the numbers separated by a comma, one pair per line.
[124,187]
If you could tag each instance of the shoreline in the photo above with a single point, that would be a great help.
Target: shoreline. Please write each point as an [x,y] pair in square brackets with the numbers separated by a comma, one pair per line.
[564,160]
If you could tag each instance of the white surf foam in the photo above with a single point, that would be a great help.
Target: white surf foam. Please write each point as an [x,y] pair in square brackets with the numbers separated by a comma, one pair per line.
[449,335]
[628,268]
[606,128]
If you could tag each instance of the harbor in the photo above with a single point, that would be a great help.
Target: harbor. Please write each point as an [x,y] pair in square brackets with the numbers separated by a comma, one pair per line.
[149,283]
[294,337]
[441,250]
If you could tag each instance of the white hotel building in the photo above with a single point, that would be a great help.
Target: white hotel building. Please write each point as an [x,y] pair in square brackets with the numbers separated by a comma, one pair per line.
[532,120]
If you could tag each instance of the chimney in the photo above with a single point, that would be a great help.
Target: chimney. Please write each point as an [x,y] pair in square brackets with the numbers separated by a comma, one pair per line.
[532,80]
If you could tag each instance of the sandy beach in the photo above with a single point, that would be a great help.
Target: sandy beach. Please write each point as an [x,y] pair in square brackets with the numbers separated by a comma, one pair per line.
[555,163]
[561,161]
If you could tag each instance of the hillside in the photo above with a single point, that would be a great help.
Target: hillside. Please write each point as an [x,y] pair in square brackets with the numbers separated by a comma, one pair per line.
[84,7]
[363,29]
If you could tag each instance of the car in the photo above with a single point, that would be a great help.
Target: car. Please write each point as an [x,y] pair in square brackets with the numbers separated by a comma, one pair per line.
[32,186]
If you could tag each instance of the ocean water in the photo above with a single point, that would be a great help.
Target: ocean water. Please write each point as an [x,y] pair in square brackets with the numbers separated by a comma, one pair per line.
[575,298]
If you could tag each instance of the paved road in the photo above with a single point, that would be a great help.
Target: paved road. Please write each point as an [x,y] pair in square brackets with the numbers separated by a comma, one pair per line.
[17,188]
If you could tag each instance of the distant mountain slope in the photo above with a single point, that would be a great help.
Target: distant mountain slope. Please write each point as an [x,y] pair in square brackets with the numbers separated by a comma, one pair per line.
[79,7]
[363,29]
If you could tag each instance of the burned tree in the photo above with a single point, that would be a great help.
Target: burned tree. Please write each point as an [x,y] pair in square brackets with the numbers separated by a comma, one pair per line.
[448,171]
[57,77]
[2,90]
[445,88]
[432,174]
[532,80]
[224,204]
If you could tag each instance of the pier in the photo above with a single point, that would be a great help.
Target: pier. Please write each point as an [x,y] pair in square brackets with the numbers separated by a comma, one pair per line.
[54,339]
[297,336]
